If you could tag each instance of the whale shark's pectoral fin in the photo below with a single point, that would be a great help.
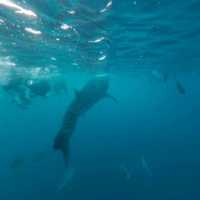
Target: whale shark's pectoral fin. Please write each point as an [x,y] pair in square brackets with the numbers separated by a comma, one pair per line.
[112,97]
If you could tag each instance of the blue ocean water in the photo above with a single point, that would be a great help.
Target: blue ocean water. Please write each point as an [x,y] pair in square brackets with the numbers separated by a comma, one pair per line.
[145,146]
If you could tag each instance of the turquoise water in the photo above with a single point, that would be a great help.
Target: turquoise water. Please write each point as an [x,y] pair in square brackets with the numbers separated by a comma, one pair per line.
[144,145]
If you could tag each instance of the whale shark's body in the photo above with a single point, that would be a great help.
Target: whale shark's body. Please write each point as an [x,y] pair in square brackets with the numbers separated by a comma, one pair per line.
[95,90]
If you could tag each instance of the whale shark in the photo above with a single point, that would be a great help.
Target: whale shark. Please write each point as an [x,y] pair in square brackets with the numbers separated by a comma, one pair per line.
[92,92]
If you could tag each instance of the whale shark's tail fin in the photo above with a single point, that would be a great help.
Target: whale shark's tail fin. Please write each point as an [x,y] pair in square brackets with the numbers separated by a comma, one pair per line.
[65,150]
[62,144]
[67,179]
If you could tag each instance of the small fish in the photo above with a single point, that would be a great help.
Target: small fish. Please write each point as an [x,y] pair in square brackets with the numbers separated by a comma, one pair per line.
[165,77]
[180,87]
[17,163]
[126,172]
[146,167]
[156,74]
[161,76]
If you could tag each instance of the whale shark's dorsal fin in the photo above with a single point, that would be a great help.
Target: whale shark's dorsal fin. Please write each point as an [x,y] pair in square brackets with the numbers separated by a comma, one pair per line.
[111,97]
